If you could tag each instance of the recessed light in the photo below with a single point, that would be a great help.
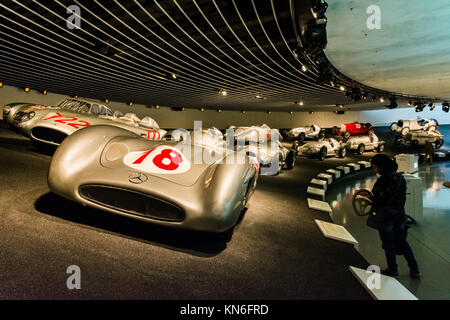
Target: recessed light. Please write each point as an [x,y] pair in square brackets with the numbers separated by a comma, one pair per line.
[342,88]
[26,89]
[130,103]
[223,92]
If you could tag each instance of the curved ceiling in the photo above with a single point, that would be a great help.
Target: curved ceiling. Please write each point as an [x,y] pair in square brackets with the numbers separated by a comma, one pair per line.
[410,54]
[127,50]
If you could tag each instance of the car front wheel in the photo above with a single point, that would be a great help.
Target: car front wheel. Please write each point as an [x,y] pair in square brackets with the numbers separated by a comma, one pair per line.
[323,153]
[361,149]
[405,131]
[438,143]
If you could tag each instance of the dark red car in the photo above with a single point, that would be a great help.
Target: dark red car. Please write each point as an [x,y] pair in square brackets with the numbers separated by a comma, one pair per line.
[352,129]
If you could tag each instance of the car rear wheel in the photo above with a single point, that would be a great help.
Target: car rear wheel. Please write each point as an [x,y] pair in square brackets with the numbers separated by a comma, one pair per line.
[380,147]
[346,134]
[393,127]
[361,149]
[323,153]
[405,131]
[322,134]
[438,143]
[342,152]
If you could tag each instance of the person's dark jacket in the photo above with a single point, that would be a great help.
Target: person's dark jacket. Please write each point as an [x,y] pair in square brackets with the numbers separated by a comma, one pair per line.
[389,191]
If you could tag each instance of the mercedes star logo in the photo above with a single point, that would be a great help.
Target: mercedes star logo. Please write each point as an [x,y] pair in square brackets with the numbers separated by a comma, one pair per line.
[137,177]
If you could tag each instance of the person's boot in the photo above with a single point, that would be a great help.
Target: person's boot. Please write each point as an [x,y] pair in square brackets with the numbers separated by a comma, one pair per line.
[389,273]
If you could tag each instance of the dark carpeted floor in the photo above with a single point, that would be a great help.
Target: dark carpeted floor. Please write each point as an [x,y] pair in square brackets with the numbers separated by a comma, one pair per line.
[276,252]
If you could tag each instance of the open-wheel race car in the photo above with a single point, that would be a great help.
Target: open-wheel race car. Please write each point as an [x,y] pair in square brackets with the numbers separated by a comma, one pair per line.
[301,133]
[353,129]
[360,144]
[50,126]
[322,149]
[262,143]
[163,182]
[405,126]
[420,137]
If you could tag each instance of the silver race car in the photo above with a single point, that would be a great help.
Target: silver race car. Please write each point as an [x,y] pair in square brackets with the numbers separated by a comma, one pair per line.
[163,182]
[419,137]
[361,144]
[11,109]
[301,133]
[323,148]
[263,144]
[405,126]
[51,126]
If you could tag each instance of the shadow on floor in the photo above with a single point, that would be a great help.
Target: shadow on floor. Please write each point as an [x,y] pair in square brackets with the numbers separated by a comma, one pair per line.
[196,243]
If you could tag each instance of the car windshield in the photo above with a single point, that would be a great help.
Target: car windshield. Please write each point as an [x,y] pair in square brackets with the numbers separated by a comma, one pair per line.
[75,105]
[422,122]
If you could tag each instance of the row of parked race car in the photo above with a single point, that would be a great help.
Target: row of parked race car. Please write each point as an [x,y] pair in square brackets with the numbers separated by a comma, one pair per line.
[129,166]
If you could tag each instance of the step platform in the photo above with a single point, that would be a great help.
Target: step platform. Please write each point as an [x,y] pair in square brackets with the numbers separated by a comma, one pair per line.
[389,288]
[336,232]
[354,166]
[319,205]
[326,176]
[317,192]
[319,183]
[365,164]
[344,169]
[335,173]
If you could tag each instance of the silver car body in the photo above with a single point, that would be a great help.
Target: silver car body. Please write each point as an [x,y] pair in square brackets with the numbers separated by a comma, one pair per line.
[313,148]
[52,125]
[112,169]
[370,143]
[419,137]
[405,126]
[310,132]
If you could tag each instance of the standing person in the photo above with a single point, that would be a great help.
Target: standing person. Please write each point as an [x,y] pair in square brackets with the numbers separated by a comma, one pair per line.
[389,199]
[429,151]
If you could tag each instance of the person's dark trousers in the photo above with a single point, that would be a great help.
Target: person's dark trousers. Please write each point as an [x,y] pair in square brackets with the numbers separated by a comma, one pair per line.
[394,242]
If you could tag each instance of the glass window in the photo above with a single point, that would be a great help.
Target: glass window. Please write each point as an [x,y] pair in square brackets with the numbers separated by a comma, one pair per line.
[96,109]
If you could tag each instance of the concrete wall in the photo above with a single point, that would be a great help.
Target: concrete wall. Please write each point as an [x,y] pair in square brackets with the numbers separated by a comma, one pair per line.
[184,119]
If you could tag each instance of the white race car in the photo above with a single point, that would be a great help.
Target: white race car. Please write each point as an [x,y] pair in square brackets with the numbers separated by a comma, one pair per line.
[301,133]
[323,148]
[365,143]
[405,126]
[418,138]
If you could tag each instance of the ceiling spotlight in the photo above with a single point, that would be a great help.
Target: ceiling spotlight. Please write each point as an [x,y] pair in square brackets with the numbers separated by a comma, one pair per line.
[157,107]
[445,106]
[173,76]
[44,92]
[223,92]
[130,103]
[202,109]
[410,103]
[291,112]
[432,106]
[382,99]
[243,111]
[419,107]
[219,110]
[393,104]
[340,106]
[342,88]
[364,95]
[26,89]
[106,100]
[182,108]
[311,112]
[304,68]
[332,83]
[374,98]
[269,112]
[1,84]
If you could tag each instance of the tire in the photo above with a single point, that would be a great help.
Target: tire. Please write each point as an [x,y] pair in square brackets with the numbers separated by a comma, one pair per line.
[301,137]
[404,131]
[321,134]
[347,134]
[393,127]
[295,145]
[398,141]
[361,149]
[290,159]
[323,153]
[380,147]
[44,147]
[342,152]
[414,143]
[438,143]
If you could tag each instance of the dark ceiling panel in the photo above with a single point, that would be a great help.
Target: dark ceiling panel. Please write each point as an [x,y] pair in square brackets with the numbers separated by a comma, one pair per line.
[127,50]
